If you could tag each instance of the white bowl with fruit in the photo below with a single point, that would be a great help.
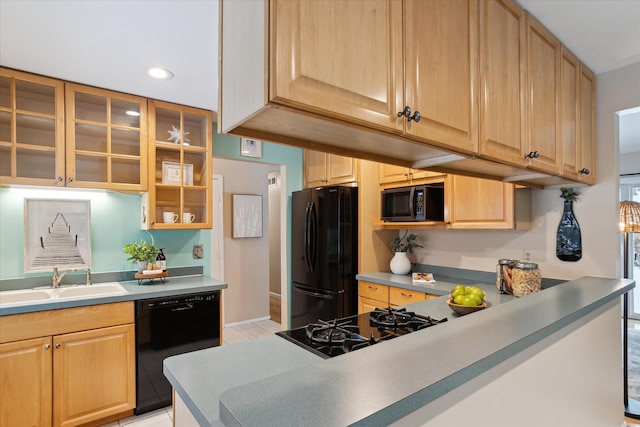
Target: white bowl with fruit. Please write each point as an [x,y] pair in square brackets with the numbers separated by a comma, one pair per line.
[466,299]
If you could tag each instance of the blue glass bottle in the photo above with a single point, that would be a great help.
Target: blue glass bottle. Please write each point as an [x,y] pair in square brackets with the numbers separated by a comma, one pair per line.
[568,239]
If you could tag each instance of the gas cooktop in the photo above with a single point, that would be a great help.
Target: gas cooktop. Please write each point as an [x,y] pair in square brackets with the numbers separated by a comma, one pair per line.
[335,337]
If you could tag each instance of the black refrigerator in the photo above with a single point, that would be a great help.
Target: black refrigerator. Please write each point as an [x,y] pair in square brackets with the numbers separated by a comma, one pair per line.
[324,254]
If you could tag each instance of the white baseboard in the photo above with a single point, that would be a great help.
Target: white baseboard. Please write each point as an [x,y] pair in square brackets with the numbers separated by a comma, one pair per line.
[244,322]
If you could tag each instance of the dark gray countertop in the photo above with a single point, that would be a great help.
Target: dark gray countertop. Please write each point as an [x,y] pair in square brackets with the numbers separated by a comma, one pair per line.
[172,286]
[399,376]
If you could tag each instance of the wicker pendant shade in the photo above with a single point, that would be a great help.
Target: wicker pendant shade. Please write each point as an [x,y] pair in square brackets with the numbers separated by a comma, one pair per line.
[630,217]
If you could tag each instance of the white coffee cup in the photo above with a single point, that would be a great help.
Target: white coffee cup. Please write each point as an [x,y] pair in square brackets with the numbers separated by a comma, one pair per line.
[170,217]
[188,218]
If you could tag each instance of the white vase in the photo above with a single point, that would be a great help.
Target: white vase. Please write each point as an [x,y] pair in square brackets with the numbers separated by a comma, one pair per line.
[142,265]
[400,263]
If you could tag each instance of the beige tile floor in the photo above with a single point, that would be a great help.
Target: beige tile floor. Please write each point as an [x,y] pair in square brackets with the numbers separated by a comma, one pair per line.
[230,335]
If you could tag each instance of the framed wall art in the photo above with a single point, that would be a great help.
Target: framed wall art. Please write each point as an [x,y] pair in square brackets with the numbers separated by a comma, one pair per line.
[251,148]
[247,216]
[57,233]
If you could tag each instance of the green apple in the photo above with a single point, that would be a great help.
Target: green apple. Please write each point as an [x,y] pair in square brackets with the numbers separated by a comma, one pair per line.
[460,299]
[457,292]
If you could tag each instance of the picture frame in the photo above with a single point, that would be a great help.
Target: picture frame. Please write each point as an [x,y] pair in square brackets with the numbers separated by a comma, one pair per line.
[247,216]
[171,173]
[251,148]
[57,233]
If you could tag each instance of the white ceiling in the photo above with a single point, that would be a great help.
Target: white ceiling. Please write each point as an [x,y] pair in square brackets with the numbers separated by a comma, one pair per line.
[109,44]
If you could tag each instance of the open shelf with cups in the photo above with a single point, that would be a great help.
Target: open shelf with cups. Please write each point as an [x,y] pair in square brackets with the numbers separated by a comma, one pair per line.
[179,193]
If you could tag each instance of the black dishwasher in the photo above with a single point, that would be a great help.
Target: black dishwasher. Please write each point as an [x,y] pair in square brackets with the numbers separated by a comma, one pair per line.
[166,327]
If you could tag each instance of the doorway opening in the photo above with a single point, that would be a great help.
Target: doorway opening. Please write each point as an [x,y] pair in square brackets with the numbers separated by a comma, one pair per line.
[628,135]
[275,245]
[255,269]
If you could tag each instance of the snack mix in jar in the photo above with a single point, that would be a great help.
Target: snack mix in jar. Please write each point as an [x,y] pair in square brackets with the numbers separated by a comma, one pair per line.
[525,278]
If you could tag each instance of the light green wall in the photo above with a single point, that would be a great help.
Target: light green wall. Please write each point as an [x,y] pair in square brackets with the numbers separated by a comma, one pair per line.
[228,146]
[115,218]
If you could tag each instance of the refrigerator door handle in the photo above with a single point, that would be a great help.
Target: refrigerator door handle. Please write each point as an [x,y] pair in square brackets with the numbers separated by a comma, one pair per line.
[314,293]
[313,247]
[310,236]
[307,237]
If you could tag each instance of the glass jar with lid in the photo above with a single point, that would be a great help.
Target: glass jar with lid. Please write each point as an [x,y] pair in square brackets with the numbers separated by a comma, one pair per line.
[503,274]
[526,278]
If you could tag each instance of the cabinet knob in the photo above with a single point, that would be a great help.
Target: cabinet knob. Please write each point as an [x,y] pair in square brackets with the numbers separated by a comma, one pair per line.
[59,179]
[58,345]
[532,155]
[47,346]
[406,112]
[69,179]
[585,171]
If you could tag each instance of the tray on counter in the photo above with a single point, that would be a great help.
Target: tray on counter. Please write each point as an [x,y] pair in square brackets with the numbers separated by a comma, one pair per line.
[159,275]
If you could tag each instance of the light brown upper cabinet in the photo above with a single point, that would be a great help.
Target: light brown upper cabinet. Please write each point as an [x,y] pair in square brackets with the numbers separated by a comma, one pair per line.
[576,104]
[328,63]
[322,169]
[502,81]
[587,134]
[476,203]
[392,174]
[179,168]
[438,85]
[106,139]
[542,141]
[441,77]
[31,129]
[63,134]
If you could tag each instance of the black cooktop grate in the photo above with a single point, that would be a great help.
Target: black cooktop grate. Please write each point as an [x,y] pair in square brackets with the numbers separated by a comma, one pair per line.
[335,337]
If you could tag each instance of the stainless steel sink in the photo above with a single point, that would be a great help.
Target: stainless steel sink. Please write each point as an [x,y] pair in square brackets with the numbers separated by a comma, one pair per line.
[48,295]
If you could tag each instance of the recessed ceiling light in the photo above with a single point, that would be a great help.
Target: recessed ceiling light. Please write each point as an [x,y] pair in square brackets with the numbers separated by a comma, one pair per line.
[159,73]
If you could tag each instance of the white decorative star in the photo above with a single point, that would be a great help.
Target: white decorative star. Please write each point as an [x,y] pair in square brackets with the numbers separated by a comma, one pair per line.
[174,136]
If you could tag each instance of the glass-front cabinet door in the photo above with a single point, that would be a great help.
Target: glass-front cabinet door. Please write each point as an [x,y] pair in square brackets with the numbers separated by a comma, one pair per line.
[106,143]
[31,129]
[180,167]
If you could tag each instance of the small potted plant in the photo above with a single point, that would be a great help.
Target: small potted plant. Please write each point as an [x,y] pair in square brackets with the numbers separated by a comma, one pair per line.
[400,263]
[398,246]
[141,253]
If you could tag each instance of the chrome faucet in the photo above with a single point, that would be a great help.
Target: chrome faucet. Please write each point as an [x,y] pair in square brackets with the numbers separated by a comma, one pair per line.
[57,278]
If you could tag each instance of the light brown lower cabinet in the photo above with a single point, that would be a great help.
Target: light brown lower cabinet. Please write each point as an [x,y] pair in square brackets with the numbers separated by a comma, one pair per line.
[373,295]
[26,382]
[73,375]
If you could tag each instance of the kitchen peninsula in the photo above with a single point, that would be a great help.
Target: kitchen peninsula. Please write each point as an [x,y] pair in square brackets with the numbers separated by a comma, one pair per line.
[553,357]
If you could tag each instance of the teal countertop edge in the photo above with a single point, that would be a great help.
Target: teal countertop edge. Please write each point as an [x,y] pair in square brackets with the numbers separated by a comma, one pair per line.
[439,358]
[173,286]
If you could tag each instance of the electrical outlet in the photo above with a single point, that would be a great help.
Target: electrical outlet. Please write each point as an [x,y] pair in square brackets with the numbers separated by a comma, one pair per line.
[526,255]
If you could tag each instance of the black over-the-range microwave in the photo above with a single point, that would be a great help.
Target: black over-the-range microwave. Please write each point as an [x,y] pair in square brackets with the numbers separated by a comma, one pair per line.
[415,203]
